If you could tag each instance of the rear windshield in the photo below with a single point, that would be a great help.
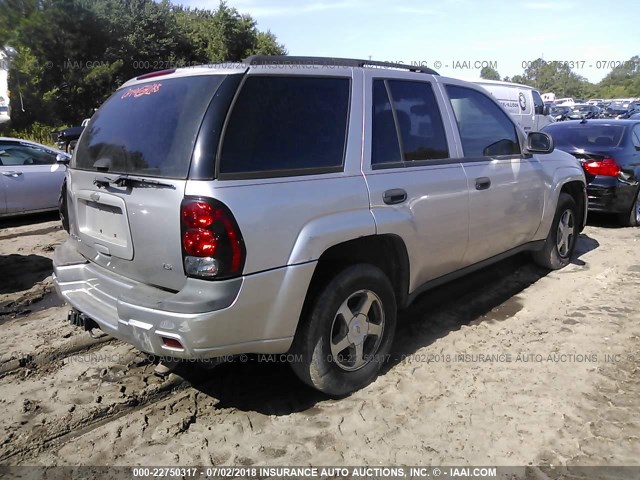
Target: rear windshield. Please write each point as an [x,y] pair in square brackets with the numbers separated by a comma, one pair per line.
[585,136]
[148,129]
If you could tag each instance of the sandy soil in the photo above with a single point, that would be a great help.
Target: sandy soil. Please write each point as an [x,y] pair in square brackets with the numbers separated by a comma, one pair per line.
[509,366]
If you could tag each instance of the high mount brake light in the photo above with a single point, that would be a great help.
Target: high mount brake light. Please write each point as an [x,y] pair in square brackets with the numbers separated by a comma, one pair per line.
[158,73]
[212,245]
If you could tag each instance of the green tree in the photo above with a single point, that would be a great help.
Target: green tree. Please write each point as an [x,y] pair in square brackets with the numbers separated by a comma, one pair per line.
[489,73]
[554,77]
[622,81]
[72,54]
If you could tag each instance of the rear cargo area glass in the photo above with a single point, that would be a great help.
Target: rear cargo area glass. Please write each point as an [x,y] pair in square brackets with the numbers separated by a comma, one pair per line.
[148,129]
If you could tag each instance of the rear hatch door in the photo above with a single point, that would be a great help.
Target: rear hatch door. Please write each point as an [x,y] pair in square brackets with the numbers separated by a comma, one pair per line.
[129,173]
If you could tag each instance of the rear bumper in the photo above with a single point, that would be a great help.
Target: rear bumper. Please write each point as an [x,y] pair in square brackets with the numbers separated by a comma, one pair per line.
[253,314]
[609,195]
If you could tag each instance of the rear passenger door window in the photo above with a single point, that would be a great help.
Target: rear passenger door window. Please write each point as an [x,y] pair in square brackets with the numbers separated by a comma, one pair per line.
[485,130]
[281,126]
[385,147]
[407,125]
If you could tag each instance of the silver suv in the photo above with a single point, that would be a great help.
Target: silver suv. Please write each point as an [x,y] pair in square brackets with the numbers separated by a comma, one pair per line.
[292,205]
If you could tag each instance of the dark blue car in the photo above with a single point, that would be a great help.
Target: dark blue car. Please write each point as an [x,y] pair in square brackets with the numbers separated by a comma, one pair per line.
[609,151]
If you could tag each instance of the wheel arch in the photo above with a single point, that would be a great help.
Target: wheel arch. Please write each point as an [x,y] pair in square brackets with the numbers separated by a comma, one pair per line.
[577,190]
[386,252]
[568,180]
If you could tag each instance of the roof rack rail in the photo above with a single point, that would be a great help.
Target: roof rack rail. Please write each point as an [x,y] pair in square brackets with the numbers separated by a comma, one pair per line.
[331,61]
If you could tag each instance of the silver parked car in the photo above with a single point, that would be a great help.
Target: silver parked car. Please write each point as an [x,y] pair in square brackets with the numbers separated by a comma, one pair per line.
[31,176]
[294,204]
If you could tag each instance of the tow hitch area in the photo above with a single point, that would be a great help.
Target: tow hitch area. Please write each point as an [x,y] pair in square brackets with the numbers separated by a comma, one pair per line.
[81,320]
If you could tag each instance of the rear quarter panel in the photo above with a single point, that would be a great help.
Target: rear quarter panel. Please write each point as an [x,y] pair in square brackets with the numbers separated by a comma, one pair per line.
[291,221]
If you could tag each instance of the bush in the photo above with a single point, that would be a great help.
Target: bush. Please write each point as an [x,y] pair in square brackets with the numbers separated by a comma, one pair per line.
[37,133]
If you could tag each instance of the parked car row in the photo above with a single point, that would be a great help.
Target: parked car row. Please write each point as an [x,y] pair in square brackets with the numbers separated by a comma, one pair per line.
[570,109]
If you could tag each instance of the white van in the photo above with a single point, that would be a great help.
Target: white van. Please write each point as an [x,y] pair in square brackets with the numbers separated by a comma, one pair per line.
[522,102]
[4,113]
[4,88]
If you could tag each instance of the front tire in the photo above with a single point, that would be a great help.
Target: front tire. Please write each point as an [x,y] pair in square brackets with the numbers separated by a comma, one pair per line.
[561,241]
[345,338]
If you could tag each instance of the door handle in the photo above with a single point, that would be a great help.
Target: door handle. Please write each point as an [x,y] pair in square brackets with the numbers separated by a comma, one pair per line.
[394,196]
[12,173]
[483,183]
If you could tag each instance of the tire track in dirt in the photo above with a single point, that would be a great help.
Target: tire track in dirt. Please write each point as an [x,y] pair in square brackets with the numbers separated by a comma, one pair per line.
[44,358]
[72,395]
[66,432]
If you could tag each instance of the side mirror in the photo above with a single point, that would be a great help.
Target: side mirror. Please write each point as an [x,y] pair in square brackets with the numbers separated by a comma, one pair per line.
[545,110]
[539,142]
[63,158]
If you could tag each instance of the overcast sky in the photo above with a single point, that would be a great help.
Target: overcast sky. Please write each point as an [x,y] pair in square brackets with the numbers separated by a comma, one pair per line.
[456,37]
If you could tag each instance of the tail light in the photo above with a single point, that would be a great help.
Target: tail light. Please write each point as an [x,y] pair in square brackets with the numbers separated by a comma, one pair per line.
[607,167]
[212,245]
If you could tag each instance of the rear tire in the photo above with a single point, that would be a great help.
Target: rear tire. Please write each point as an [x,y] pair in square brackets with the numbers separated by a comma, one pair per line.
[632,218]
[345,338]
[563,234]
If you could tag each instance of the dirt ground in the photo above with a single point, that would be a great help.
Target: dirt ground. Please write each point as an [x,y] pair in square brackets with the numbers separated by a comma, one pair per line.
[509,366]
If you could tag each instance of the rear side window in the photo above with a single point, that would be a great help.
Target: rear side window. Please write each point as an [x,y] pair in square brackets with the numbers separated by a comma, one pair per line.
[286,126]
[148,129]
[419,121]
[485,130]
[415,115]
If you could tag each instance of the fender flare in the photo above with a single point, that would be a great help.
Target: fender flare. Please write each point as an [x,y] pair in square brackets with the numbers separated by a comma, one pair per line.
[322,233]
[561,177]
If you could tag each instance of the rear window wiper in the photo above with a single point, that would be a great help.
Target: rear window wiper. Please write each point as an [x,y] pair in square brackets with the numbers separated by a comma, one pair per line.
[128,181]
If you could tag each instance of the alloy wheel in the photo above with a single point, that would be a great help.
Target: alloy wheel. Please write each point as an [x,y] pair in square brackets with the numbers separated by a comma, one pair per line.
[564,238]
[357,329]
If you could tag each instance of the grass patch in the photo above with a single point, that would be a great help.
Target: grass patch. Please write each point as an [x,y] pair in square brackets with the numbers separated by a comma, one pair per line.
[38,132]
